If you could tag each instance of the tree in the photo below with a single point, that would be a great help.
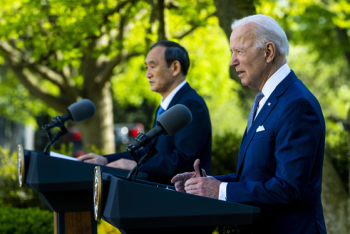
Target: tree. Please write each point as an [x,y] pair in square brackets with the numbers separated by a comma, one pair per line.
[227,12]
[64,51]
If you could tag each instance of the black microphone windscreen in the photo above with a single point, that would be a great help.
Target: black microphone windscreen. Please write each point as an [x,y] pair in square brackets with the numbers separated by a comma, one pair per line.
[175,119]
[81,110]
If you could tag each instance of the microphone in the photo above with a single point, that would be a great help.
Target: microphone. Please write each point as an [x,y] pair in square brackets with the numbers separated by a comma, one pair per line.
[77,112]
[169,123]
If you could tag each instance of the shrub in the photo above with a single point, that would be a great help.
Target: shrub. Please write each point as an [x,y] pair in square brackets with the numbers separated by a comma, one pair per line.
[225,150]
[25,221]
[10,192]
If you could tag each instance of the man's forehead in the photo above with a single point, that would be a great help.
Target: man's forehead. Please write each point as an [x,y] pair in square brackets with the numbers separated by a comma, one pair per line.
[156,54]
[242,34]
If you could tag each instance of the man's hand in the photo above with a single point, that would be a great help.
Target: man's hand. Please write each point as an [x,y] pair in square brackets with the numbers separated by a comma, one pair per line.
[123,163]
[203,186]
[93,158]
[180,179]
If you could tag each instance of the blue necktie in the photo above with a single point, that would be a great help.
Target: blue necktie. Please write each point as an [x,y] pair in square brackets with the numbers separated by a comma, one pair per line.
[255,107]
[159,112]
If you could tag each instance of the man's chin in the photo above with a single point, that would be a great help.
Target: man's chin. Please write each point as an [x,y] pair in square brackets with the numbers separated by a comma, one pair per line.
[243,83]
[153,89]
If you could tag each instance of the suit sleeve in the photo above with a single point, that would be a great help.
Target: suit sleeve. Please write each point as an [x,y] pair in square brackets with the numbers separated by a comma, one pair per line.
[227,178]
[126,155]
[190,143]
[298,136]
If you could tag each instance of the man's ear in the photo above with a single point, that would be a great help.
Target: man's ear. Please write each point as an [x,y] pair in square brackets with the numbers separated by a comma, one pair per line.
[270,52]
[176,66]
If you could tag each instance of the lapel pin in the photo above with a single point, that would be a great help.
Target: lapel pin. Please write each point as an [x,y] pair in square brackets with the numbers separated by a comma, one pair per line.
[269,104]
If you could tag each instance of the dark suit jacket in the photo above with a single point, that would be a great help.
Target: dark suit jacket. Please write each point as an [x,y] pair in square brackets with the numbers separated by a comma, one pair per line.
[176,154]
[280,168]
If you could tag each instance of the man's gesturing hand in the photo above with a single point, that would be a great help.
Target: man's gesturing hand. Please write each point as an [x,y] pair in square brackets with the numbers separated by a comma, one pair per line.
[180,179]
[191,182]
[94,159]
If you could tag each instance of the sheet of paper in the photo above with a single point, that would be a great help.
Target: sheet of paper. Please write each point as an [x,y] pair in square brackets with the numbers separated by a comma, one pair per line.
[57,155]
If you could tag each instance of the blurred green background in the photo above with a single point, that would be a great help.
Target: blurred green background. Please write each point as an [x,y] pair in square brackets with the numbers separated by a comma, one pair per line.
[56,52]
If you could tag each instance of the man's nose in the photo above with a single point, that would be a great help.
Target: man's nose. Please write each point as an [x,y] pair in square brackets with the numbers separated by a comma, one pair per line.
[148,73]
[234,60]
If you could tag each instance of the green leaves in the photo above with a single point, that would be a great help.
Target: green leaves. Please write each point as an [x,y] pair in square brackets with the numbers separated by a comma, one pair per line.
[16,104]
[25,221]
[10,192]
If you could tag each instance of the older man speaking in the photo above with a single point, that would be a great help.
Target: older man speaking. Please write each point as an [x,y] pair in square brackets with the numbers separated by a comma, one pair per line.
[281,154]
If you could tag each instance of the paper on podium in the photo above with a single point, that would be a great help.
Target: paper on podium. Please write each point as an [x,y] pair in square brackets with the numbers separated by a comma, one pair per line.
[57,155]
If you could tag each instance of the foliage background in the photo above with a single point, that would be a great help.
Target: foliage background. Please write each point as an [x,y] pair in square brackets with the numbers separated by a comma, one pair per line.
[318,32]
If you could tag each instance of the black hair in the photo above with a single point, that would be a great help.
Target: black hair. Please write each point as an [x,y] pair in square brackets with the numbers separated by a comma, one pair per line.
[174,52]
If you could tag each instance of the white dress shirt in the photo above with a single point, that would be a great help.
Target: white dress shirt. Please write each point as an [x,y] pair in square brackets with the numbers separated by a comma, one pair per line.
[267,90]
[165,103]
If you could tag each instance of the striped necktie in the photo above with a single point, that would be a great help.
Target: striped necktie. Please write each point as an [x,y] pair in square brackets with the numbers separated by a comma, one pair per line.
[255,107]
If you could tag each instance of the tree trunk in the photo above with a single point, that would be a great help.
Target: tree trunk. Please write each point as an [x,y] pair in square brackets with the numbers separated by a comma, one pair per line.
[334,200]
[98,130]
[161,28]
[2,132]
[227,12]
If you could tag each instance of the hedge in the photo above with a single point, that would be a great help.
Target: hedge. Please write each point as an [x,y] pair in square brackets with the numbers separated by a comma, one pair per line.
[25,221]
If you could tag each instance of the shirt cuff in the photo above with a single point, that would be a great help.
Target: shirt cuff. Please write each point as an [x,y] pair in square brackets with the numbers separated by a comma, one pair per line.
[222,191]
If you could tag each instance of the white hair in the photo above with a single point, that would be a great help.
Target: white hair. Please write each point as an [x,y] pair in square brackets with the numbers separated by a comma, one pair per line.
[266,30]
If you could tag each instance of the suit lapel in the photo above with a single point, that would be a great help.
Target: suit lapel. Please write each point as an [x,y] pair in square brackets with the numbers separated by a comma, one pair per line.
[179,94]
[263,114]
[175,99]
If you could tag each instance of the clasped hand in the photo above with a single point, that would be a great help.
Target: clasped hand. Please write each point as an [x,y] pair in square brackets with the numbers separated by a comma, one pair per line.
[191,182]
[122,163]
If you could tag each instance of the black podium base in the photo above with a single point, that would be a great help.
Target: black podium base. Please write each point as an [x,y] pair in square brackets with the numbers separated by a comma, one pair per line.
[146,207]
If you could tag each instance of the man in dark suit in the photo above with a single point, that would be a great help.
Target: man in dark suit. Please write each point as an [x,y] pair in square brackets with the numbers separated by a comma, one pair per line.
[281,154]
[167,64]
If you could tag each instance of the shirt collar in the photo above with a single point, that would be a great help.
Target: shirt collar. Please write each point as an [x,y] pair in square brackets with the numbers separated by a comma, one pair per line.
[165,103]
[274,80]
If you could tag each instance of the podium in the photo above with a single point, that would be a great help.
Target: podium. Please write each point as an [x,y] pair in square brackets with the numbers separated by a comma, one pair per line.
[146,207]
[66,186]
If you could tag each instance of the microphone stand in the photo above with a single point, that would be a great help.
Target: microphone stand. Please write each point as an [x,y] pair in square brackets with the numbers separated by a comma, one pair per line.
[150,153]
[47,130]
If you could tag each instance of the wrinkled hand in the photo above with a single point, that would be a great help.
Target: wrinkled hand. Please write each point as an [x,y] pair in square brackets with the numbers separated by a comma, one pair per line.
[93,158]
[203,186]
[123,163]
[180,179]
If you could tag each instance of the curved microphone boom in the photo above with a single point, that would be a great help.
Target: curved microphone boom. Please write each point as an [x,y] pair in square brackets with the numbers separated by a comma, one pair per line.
[168,123]
[77,112]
